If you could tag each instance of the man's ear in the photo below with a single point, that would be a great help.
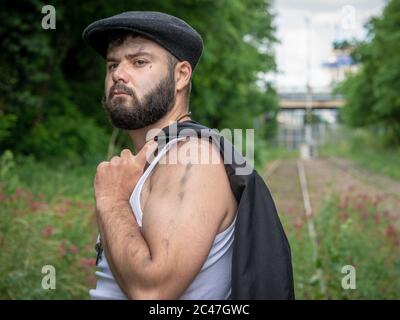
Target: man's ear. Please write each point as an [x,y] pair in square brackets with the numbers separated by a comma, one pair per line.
[183,73]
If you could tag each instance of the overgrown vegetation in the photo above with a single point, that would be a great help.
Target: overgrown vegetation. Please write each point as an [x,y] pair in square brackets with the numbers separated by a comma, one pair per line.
[362,146]
[351,231]
[52,82]
[372,93]
[47,218]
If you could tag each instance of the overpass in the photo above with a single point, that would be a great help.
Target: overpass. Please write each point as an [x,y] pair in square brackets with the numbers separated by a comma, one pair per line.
[319,100]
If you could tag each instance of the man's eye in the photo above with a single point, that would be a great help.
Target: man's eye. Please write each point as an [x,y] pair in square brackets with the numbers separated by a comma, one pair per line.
[140,63]
[112,66]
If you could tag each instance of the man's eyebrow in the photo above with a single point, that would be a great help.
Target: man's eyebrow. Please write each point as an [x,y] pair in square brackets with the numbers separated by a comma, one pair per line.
[130,56]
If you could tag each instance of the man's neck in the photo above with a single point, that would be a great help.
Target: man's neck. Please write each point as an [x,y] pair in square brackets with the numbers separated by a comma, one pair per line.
[139,136]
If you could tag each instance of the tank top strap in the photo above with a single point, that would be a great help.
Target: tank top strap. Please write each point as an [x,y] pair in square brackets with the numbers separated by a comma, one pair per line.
[135,196]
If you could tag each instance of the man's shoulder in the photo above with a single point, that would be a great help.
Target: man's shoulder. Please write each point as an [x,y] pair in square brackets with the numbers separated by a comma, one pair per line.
[191,151]
[191,162]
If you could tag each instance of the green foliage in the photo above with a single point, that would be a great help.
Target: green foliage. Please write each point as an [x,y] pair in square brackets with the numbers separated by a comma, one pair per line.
[52,82]
[47,218]
[35,233]
[7,165]
[372,94]
[363,146]
[346,227]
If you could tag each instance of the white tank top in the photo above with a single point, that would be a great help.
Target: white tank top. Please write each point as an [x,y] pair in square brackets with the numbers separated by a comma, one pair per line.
[213,282]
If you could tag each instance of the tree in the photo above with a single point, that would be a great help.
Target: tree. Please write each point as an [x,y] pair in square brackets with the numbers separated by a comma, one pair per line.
[52,81]
[372,94]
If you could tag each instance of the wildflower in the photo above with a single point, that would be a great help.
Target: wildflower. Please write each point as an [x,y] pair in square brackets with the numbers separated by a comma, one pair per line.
[67,202]
[36,205]
[61,249]
[359,206]
[391,231]
[47,231]
[87,262]
[19,192]
[73,249]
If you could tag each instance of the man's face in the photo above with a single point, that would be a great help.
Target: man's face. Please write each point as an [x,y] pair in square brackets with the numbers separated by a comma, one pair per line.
[139,83]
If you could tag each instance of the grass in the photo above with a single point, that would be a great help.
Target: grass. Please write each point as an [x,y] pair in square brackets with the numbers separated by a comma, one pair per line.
[351,231]
[356,232]
[47,218]
[266,153]
[364,148]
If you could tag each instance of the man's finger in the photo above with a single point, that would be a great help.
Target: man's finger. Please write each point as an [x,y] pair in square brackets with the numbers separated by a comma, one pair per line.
[126,154]
[146,154]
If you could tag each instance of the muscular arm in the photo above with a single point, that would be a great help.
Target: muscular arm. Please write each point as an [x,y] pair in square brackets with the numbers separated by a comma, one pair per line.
[181,217]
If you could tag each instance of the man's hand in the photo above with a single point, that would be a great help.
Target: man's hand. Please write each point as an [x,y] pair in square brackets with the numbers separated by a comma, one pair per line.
[116,179]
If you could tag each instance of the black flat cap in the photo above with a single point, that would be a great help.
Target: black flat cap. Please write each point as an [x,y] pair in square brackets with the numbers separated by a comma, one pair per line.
[172,33]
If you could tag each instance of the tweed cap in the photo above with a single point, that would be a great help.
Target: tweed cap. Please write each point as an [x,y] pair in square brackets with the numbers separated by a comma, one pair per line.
[172,33]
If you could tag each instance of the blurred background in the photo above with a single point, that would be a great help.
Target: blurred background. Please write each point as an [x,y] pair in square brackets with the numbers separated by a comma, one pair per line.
[319,81]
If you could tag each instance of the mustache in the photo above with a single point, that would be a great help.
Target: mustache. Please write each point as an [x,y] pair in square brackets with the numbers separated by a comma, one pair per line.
[122,88]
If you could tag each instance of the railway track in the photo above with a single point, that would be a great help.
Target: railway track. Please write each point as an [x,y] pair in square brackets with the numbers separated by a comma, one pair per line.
[307,213]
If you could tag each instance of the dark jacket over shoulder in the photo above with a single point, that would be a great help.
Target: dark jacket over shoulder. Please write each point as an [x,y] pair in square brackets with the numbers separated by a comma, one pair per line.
[261,261]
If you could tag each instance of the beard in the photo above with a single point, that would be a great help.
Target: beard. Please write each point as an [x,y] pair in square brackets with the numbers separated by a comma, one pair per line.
[136,114]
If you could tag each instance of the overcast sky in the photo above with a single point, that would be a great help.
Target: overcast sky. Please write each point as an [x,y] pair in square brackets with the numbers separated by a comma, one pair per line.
[329,20]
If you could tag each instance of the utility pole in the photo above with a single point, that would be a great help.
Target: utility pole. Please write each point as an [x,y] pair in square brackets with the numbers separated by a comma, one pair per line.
[309,144]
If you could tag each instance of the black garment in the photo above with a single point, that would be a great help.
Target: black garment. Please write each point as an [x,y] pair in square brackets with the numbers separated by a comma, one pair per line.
[261,261]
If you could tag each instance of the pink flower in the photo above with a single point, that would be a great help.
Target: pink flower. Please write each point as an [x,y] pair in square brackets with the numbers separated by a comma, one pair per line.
[359,206]
[87,262]
[61,249]
[47,231]
[36,205]
[19,192]
[73,249]
[67,202]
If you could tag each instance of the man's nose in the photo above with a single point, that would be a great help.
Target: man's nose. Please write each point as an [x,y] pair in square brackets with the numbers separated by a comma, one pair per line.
[119,73]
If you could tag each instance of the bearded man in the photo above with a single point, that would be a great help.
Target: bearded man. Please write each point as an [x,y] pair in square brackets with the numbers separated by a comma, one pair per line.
[167,228]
